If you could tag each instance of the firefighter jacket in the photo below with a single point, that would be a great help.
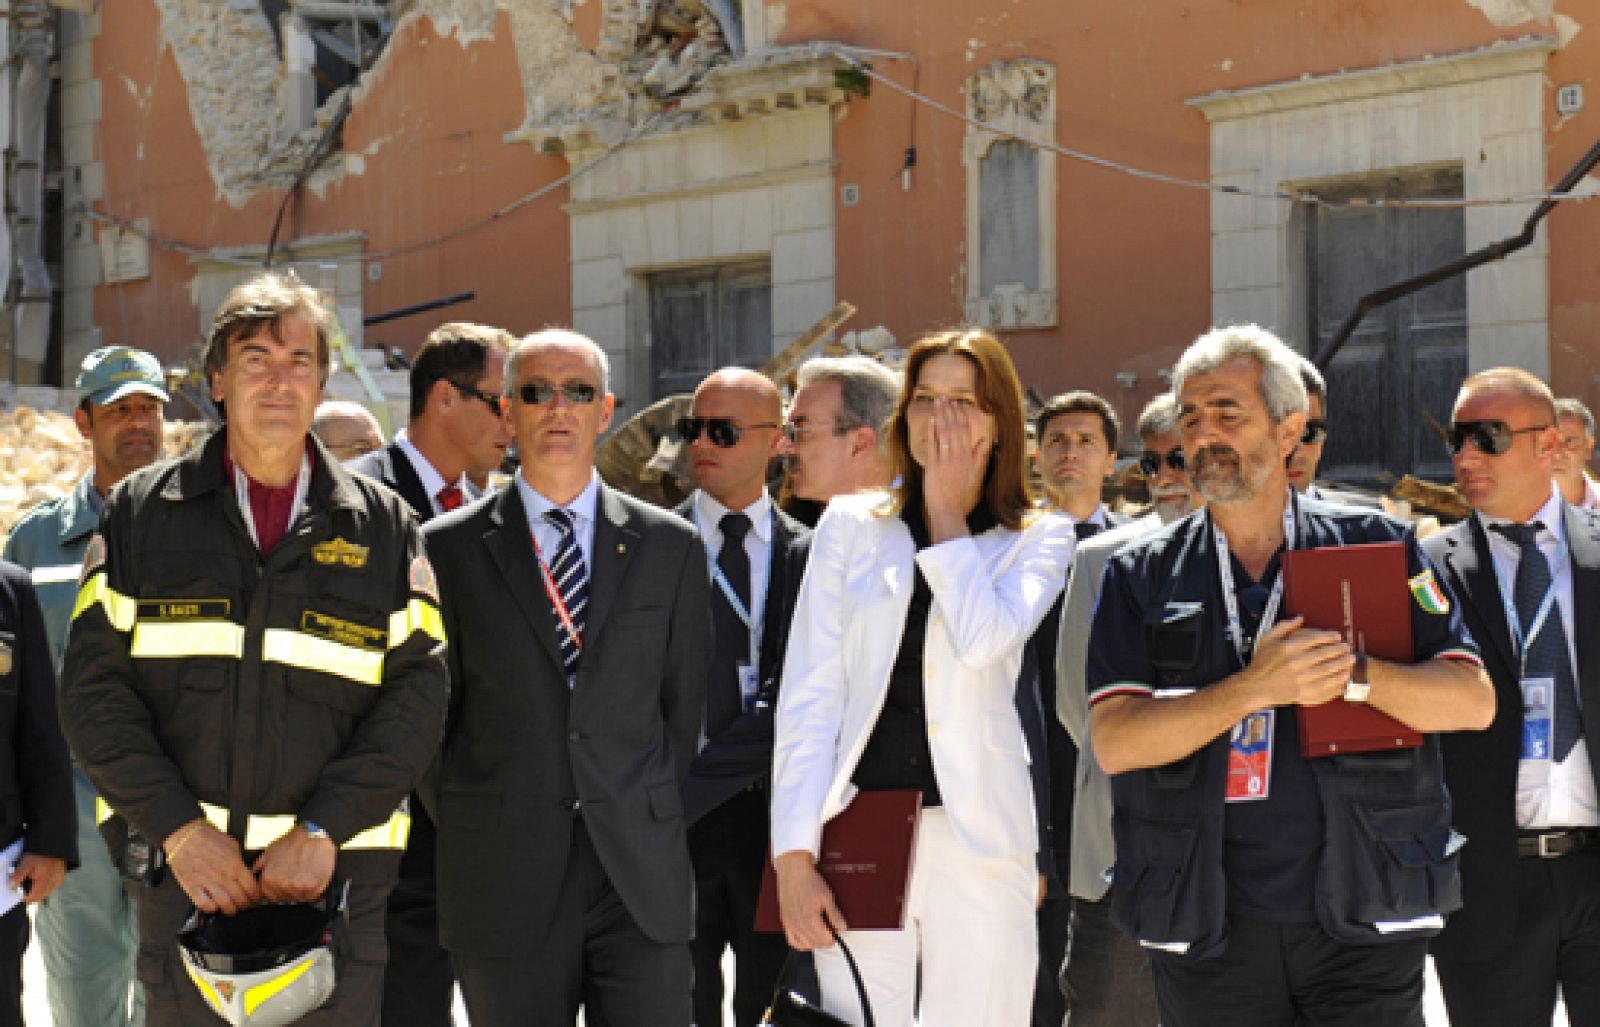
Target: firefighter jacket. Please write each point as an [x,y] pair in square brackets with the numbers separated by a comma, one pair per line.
[200,679]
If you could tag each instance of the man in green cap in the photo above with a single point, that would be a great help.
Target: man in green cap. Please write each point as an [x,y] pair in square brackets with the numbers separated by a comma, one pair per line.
[86,926]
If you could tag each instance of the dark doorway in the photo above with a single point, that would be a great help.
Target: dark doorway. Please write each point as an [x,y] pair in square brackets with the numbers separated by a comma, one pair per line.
[705,318]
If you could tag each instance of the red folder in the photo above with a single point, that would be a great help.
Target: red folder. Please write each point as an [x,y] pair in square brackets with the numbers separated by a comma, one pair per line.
[1362,592]
[866,860]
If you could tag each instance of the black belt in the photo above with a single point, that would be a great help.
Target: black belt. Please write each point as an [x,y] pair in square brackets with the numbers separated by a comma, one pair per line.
[1554,844]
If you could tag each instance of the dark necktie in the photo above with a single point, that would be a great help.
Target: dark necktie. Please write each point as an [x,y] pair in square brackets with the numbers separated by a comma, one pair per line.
[1086,529]
[724,700]
[449,497]
[1546,653]
[572,582]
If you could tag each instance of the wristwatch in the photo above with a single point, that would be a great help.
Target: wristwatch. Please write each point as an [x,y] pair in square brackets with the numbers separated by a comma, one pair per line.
[1358,687]
[313,831]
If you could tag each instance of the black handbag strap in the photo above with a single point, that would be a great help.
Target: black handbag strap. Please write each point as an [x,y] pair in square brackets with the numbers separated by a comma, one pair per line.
[850,961]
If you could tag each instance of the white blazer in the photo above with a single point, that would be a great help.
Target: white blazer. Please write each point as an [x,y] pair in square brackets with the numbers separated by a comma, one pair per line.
[989,594]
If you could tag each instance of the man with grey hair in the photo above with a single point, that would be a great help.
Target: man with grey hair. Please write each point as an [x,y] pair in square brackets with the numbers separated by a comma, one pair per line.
[1266,884]
[833,437]
[1570,462]
[580,628]
[1105,976]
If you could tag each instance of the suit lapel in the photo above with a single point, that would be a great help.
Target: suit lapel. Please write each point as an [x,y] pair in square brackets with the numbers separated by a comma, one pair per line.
[409,484]
[1473,566]
[781,586]
[614,543]
[510,543]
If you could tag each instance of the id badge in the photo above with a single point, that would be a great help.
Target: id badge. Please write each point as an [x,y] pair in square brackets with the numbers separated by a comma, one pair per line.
[1538,698]
[749,686]
[1250,757]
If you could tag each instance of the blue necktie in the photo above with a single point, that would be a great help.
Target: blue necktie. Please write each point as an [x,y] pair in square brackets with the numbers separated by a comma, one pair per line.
[572,581]
[1546,654]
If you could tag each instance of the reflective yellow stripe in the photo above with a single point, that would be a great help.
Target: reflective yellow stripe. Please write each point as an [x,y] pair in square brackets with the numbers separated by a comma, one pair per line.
[263,829]
[173,639]
[389,835]
[419,615]
[308,652]
[253,997]
[121,610]
[206,989]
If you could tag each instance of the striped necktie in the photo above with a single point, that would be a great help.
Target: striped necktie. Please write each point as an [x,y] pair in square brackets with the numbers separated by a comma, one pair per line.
[571,580]
[1546,653]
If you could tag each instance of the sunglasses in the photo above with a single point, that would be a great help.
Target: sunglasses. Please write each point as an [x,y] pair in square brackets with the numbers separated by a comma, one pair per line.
[1490,437]
[1150,463]
[1316,432]
[537,394]
[722,431]
[493,402]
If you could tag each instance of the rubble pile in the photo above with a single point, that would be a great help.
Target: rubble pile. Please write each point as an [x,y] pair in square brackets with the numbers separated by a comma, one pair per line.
[42,456]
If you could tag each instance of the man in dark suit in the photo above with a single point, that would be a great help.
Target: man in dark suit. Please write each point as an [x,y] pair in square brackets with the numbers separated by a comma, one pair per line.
[455,434]
[1526,568]
[580,640]
[757,556]
[1077,438]
[40,821]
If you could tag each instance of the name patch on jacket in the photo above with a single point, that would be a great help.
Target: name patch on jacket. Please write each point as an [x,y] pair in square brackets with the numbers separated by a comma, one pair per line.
[6,658]
[339,552]
[345,632]
[183,609]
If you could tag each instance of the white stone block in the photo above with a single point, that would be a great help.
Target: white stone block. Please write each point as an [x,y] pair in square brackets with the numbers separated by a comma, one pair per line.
[1524,344]
[755,224]
[77,60]
[78,145]
[1245,259]
[796,306]
[694,228]
[598,283]
[629,235]
[591,235]
[727,212]
[802,256]
[804,204]
[80,102]
[607,326]
[1516,289]
[661,221]
[1248,306]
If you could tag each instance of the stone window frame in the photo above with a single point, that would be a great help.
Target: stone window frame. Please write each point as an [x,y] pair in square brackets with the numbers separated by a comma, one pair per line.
[1481,109]
[993,97]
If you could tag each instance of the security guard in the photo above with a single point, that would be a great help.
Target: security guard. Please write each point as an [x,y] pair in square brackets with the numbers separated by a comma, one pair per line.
[254,678]
[1270,888]
[86,928]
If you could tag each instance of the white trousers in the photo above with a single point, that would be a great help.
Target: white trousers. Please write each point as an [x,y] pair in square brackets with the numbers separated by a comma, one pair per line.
[970,923]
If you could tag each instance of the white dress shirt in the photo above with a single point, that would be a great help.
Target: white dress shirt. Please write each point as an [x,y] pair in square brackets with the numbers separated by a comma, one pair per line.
[1549,794]
[546,535]
[708,514]
[432,481]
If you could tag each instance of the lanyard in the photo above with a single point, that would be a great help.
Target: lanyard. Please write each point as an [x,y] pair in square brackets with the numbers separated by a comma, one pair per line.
[1230,601]
[1520,640]
[241,492]
[753,623]
[550,589]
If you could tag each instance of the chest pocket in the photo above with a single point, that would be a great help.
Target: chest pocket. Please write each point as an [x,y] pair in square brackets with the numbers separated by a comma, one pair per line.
[1175,641]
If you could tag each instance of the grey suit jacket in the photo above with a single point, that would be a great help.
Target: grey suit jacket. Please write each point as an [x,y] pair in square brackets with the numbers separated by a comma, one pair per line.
[1480,767]
[524,755]
[1092,849]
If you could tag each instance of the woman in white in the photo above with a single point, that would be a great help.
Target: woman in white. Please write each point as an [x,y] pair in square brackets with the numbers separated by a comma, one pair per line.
[901,672]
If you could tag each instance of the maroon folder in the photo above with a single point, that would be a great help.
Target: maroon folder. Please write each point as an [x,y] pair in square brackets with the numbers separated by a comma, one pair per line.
[866,860]
[1362,592]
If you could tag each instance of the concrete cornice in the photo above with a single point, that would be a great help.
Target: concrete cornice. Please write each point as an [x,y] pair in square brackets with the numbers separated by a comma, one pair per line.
[1507,57]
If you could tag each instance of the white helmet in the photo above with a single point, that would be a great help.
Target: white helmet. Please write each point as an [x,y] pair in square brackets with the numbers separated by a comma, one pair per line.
[268,965]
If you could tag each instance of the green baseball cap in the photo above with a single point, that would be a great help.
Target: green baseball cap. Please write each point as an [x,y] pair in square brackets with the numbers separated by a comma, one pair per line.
[111,372]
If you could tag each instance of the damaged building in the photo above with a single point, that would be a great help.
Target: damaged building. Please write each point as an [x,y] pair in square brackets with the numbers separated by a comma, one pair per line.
[697,182]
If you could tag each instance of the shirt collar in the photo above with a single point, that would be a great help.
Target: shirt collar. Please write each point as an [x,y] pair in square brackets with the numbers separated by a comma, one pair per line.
[709,513]
[432,480]
[1551,515]
[583,507]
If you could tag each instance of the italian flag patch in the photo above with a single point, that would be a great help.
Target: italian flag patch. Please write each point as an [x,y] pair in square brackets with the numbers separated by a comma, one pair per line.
[1428,594]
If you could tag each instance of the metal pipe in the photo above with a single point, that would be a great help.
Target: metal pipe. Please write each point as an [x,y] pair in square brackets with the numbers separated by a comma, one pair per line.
[417,308]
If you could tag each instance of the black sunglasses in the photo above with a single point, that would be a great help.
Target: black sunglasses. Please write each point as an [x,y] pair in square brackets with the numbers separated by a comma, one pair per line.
[1491,437]
[473,391]
[1316,432]
[537,394]
[1150,462]
[722,431]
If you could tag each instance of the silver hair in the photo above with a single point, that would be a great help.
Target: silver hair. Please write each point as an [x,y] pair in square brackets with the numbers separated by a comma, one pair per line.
[1281,388]
[1160,417]
[867,389]
[1574,408]
[529,343]
[1312,379]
